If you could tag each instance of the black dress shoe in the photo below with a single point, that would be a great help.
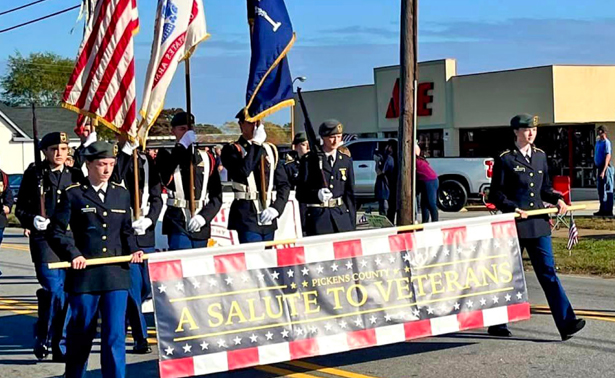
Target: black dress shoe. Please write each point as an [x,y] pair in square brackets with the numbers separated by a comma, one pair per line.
[60,358]
[499,331]
[574,327]
[40,350]
[142,348]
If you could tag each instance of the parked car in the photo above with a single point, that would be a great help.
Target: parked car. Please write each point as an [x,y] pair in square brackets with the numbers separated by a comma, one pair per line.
[14,183]
[460,178]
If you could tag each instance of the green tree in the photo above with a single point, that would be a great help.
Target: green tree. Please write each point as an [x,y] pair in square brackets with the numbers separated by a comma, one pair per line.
[277,134]
[39,78]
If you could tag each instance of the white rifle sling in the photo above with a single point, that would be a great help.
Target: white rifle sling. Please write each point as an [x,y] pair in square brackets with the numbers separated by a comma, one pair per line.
[179,188]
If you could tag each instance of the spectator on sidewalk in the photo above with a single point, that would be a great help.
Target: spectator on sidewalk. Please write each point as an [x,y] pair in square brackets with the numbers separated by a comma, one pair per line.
[6,203]
[427,187]
[602,159]
[386,181]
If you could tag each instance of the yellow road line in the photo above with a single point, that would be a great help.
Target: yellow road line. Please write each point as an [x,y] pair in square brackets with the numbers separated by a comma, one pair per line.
[283,372]
[599,318]
[327,370]
[577,311]
[19,247]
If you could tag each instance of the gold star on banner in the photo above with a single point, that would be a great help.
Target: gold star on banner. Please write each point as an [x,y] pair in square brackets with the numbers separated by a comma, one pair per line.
[407,269]
[293,285]
[395,271]
[304,284]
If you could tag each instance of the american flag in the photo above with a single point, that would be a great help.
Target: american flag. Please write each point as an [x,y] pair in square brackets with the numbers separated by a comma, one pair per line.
[102,84]
[573,234]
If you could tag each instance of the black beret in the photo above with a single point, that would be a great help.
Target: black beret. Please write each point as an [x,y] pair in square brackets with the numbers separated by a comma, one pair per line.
[330,127]
[524,120]
[100,150]
[52,139]
[181,119]
[299,138]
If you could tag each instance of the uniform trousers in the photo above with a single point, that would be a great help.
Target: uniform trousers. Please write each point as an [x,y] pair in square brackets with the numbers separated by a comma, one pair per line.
[183,241]
[254,237]
[540,251]
[85,309]
[53,309]
[140,290]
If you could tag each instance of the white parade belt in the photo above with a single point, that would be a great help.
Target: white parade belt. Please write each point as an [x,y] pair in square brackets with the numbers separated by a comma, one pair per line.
[332,203]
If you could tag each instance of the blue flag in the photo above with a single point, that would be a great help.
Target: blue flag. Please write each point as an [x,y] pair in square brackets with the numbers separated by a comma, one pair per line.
[269,84]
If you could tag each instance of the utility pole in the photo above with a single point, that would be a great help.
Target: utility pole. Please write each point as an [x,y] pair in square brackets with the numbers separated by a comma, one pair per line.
[407,119]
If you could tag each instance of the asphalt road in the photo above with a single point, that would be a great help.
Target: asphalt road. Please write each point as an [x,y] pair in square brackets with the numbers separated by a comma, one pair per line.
[534,349]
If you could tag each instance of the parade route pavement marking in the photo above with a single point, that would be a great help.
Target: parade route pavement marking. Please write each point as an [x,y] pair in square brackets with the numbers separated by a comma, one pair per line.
[327,370]
[606,315]
[19,247]
[283,372]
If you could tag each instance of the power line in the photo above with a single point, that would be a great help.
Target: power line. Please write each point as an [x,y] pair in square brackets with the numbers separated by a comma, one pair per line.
[21,7]
[39,19]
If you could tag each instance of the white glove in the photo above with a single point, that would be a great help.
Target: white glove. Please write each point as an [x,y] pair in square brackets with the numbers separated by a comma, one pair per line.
[130,147]
[41,223]
[324,195]
[268,215]
[141,225]
[90,139]
[188,138]
[259,135]
[196,223]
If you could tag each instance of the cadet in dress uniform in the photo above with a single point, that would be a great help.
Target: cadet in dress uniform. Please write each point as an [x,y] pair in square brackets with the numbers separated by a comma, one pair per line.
[98,213]
[291,166]
[183,230]
[254,220]
[6,203]
[521,182]
[50,329]
[327,187]
[150,200]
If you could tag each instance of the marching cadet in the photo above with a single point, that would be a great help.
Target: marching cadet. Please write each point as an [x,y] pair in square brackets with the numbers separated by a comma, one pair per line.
[520,183]
[291,166]
[50,328]
[98,213]
[182,229]
[254,220]
[87,136]
[150,200]
[6,203]
[327,187]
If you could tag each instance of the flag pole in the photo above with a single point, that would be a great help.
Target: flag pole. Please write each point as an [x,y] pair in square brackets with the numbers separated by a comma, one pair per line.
[398,229]
[190,127]
[137,200]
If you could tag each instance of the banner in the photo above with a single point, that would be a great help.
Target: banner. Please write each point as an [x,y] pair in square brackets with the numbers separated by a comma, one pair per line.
[269,86]
[179,27]
[230,308]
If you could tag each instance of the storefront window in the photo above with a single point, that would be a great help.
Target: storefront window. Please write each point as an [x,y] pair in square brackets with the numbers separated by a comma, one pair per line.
[431,142]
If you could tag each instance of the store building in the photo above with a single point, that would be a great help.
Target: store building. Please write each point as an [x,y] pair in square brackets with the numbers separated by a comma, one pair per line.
[468,115]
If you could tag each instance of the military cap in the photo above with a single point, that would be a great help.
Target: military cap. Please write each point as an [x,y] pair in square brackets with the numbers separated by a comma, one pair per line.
[51,139]
[330,127]
[299,138]
[524,120]
[181,119]
[241,115]
[100,150]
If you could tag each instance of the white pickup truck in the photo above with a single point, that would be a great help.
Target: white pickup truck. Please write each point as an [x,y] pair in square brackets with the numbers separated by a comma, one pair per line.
[460,178]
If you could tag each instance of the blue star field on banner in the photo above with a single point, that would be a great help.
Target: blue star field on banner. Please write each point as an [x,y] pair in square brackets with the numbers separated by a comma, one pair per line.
[269,83]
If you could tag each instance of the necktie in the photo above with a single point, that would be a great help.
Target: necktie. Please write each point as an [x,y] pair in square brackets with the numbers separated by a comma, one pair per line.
[331,160]
[528,158]
[101,194]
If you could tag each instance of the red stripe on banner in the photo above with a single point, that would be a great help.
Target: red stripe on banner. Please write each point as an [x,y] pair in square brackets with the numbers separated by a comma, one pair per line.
[82,60]
[291,256]
[112,68]
[503,230]
[361,339]
[120,95]
[519,311]
[235,262]
[102,50]
[303,348]
[130,117]
[242,358]
[470,319]
[347,249]
[417,329]
[165,270]
[181,367]
[455,235]
[402,242]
